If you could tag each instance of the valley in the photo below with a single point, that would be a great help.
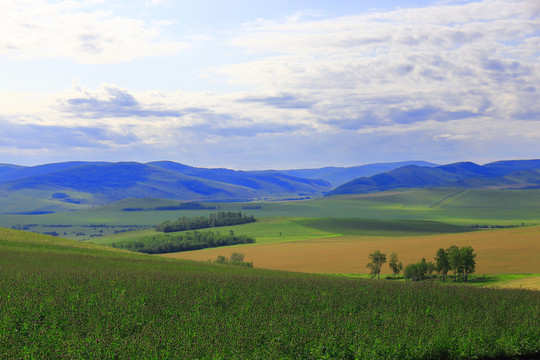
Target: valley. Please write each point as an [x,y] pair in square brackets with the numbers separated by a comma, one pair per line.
[309,259]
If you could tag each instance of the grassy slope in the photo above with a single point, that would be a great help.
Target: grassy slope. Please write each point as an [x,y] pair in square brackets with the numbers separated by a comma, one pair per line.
[447,205]
[65,299]
[319,250]
[276,230]
[266,230]
[502,207]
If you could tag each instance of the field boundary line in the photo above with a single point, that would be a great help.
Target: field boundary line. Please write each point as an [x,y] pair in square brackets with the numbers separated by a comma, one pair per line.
[440,202]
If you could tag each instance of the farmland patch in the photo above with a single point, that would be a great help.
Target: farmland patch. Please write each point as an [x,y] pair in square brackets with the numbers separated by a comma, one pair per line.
[511,251]
[372,227]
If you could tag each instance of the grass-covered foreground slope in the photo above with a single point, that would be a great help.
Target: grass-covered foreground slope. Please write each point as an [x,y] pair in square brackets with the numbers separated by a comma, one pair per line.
[63,299]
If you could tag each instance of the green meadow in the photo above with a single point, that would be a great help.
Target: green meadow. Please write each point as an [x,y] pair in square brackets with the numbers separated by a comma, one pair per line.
[68,299]
[448,207]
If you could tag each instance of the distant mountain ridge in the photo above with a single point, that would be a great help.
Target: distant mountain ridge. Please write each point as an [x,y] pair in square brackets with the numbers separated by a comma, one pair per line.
[74,185]
[79,185]
[500,174]
[340,175]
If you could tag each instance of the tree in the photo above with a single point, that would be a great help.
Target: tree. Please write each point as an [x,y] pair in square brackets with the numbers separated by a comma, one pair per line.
[454,258]
[467,261]
[462,261]
[395,264]
[442,263]
[221,260]
[430,268]
[377,260]
[415,272]
[237,257]
[423,267]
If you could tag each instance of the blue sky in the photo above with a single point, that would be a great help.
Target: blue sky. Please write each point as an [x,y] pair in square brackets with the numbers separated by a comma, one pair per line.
[269,84]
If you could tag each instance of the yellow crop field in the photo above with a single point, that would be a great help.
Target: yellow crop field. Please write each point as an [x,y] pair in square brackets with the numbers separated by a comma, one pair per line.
[532,283]
[502,251]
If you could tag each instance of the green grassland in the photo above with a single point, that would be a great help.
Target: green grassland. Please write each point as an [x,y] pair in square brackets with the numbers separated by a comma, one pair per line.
[265,230]
[67,299]
[276,230]
[448,206]
[371,227]
[19,201]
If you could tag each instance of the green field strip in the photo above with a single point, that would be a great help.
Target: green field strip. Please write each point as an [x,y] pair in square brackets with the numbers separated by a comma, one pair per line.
[372,227]
[472,207]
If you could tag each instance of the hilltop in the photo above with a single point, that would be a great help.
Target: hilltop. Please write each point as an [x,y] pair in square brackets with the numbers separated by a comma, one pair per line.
[500,174]
[78,185]
[340,175]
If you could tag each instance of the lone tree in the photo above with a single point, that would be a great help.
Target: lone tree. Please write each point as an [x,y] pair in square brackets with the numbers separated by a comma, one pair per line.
[395,264]
[377,260]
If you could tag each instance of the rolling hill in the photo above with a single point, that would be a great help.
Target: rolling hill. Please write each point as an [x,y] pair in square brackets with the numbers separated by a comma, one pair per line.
[76,185]
[500,174]
[340,175]
[267,181]
[69,299]
[79,185]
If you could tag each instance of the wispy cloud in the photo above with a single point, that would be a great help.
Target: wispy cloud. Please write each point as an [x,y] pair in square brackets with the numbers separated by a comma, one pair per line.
[283,101]
[110,101]
[37,29]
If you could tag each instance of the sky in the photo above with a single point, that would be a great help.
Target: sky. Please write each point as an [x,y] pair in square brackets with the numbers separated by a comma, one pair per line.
[269,84]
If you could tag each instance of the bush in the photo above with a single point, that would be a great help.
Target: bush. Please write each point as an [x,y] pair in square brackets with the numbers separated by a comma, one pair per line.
[222,218]
[166,243]
[235,259]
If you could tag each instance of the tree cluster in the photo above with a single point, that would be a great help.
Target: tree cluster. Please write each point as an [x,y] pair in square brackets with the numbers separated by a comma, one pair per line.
[195,240]
[221,218]
[459,260]
[181,206]
[419,271]
[236,259]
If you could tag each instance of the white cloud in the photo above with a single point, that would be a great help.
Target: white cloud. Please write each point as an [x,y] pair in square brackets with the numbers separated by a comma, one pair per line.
[452,82]
[36,29]
[156,2]
[477,57]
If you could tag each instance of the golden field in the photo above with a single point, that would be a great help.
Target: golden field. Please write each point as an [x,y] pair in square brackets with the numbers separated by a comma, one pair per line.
[501,251]
[531,283]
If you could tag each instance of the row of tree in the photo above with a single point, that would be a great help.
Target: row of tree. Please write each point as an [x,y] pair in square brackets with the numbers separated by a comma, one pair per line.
[221,218]
[166,243]
[236,259]
[461,261]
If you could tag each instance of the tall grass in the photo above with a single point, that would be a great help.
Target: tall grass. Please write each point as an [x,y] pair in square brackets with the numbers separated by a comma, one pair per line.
[63,302]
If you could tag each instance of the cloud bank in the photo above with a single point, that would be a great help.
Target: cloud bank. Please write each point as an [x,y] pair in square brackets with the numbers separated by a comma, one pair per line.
[442,83]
